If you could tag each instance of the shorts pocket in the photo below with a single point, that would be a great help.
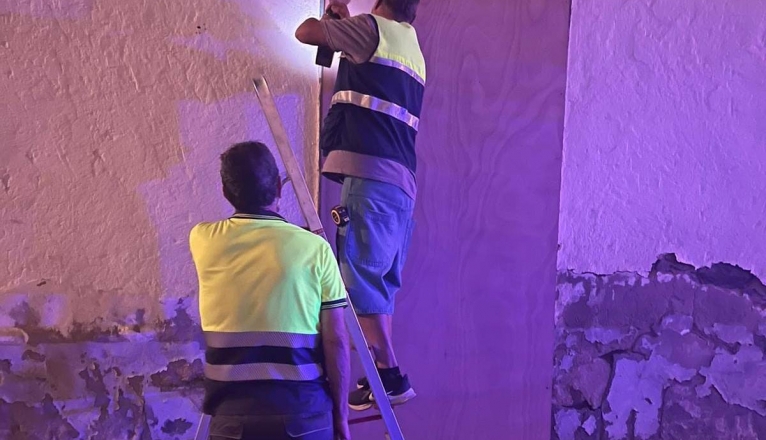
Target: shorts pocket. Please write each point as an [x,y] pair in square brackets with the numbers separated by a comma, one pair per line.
[309,426]
[371,238]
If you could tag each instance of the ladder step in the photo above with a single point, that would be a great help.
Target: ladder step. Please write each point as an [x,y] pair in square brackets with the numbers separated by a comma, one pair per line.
[365,419]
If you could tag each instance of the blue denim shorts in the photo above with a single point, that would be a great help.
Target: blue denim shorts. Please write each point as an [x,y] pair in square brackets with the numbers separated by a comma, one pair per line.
[372,247]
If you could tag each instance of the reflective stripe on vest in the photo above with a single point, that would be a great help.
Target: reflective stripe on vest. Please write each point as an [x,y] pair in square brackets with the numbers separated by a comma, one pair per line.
[263,371]
[378,105]
[243,356]
[398,49]
[397,65]
[255,339]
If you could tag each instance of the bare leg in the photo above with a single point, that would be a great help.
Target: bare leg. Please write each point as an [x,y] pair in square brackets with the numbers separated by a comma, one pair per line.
[378,331]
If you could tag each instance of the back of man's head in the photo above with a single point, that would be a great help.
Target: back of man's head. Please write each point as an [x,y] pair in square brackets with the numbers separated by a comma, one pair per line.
[250,176]
[403,10]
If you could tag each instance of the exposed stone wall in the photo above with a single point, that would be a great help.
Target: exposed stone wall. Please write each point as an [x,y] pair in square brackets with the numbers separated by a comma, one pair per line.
[675,355]
[663,152]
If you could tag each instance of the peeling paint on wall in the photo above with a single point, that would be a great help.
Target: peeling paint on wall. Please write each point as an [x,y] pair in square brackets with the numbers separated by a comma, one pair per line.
[677,354]
[100,390]
[663,150]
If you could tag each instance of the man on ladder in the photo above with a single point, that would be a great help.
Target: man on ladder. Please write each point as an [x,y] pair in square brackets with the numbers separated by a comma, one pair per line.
[368,139]
[271,304]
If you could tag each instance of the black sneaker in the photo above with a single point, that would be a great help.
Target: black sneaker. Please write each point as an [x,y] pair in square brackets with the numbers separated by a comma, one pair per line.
[362,399]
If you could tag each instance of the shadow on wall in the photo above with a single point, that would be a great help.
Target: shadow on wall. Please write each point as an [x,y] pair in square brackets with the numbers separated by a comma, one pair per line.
[116,113]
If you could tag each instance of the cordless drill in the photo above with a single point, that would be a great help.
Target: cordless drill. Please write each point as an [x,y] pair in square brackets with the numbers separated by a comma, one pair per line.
[324,53]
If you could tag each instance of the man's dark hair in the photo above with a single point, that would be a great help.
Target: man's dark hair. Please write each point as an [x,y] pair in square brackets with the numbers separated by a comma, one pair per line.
[404,10]
[250,176]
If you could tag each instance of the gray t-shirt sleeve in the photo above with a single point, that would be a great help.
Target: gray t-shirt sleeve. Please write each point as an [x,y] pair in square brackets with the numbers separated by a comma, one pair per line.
[357,37]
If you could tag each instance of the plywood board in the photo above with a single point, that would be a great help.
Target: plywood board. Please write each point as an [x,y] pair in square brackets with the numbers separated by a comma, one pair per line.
[474,322]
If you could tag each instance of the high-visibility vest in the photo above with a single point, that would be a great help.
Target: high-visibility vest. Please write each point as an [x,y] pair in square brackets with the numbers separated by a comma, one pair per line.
[376,105]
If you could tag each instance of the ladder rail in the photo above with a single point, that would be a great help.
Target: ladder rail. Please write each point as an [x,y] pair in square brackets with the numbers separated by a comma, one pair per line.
[305,203]
[309,211]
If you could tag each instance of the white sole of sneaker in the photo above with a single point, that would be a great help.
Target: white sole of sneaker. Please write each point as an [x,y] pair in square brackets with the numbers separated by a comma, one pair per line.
[395,401]
[402,398]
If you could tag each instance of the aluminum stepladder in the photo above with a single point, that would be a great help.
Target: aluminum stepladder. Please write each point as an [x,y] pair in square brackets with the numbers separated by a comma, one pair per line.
[306,204]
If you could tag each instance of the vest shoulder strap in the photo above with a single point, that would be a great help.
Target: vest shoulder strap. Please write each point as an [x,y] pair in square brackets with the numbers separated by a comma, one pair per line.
[399,47]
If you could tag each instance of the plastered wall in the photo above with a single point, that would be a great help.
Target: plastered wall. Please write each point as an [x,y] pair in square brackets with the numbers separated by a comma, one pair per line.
[660,314]
[665,147]
[113,116]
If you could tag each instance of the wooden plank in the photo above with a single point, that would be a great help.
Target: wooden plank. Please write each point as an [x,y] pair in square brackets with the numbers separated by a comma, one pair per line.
[474,322]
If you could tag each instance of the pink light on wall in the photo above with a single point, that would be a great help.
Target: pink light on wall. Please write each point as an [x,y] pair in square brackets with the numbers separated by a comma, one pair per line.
[59,9]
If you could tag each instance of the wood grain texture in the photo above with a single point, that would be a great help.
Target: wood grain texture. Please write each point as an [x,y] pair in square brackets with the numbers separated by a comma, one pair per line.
[474,322]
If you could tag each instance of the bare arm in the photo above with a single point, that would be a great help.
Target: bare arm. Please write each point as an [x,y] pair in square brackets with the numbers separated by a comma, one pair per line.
[357,37]
[311,32]
[336,353]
